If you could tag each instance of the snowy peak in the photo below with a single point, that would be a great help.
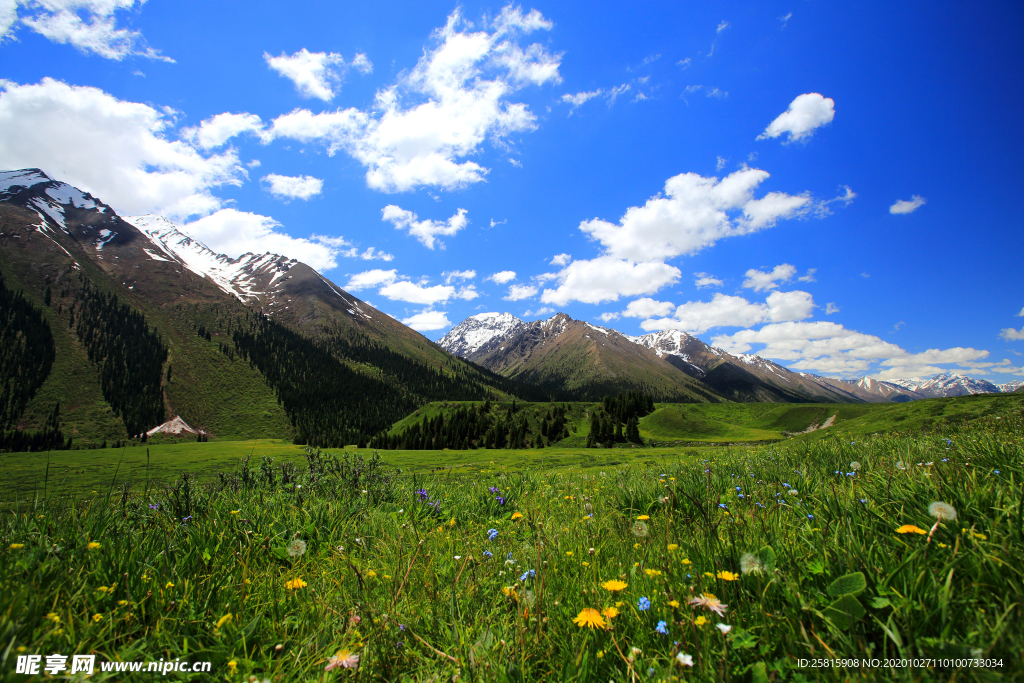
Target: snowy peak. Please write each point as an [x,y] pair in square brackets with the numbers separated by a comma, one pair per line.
[946,385]
[477,330]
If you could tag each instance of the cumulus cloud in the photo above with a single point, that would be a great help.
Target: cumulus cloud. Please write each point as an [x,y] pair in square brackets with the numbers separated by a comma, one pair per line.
[520,292]
[119,151]
[316,74]
[608,317]
[809,277]
[426,230]
[427,320]
[560,259]
[88,25]
[903,206]
[606,278]
[734,311]
[215,131]
[1011,334]
[694,212]
[831,308]
[421,128]
[370,278]
[805,114]
[502,277]
[760,281]
[647,308]
[704,281]
[458,275]
[543,310]
[413,293]
[292,187]
[234,233]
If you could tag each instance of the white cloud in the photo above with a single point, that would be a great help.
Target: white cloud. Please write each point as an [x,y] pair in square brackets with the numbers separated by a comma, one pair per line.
[1021,314]
[606,278]
[234,233]
[804,114]
[760,281]
[458,275]
[831,308]
[370,278]
[580,98]
[316,74]
[425,230]
[684,64]
[647,308]
[694,212]
[956,354]
[502,277]
[907,206]
[215,131]
[520,292]
[705,280]
[785,19]
[88,25]
[734,311]
[1011,334]
[722,26]
[468,293]
[439,112]
[368,254]
[428,320]
[560,259]
[543,310]
[809,277]
[292,187]
[417,294]
[117,150]
[613,94]
[608,317]
[720,164]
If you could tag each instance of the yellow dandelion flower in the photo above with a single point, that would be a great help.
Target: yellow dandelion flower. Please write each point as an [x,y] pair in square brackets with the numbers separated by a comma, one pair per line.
[652,572]
[516,515]
[910,529]
[600,654]
[169,585]
[672,546]
[610,612]
[699,622]
[510,592]
[586,564]
[644,517]
[122,603]
[226,619]
[452,523]
[295,584]
[614,585]
[17,546]
[673,603]
[635,546]
[728,576]
[569,554]
[687,561]
[370,574]
[52,616]
[97,618]
[93,546]
[235,512]
[590,618]
[103,589]
[233,665]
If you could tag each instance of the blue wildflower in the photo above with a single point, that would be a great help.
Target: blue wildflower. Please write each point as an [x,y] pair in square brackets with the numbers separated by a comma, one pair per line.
[662,628]
[154,506]
[810,516]
[488,553]
[492,534]
[529,574]
[996,471]
[721,505]
[422,493]
[741,496]
[864,501]
[786,485]
[643,604]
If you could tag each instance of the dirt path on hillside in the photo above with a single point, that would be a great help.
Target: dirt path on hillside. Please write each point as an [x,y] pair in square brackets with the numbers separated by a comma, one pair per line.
[815,426]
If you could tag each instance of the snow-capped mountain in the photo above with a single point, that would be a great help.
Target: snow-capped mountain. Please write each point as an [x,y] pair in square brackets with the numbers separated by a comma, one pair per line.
[467,337]
[1011,386]
[946,385]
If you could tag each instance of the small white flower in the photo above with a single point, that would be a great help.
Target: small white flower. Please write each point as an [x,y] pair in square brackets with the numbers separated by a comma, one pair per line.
[458,557]
[724,628]
[854,465]
[684,659]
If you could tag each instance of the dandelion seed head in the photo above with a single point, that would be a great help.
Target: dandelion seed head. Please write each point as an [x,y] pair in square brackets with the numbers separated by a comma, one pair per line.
[296,548]
[640,529]
[751,564]
[943,511]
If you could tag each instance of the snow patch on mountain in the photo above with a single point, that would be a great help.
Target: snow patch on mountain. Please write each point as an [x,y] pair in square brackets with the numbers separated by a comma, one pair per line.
[475,331]
[946,385]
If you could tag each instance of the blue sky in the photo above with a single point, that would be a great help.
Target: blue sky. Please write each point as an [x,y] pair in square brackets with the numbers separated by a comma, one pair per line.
[832,186]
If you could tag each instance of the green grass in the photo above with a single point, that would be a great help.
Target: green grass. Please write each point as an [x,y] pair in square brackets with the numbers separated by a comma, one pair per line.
[408,587]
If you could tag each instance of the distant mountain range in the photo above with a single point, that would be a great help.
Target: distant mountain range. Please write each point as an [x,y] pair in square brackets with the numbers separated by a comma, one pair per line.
[549,352]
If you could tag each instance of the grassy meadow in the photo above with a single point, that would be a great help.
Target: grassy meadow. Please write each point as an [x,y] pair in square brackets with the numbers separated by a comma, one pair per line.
[716,564]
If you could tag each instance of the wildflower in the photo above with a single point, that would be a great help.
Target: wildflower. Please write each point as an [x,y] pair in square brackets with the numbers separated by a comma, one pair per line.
[488,553]
[295,584]
[614,585]
[97,618]
[590,618]
[610,612]
[724,628]
[16,546]
[652,572]
[93,546]
[673,603]
[516,515]
[510,592]
[751,564]
[154,506]
[910,529]
[492,534]
[233,665]
[52,616]
[686,560]
[643,517]
[640,530]
[672,546]
[661,628]
[234,512]
[684,659]
[699,622]
[864,501]
[794,492]
[169,586]
[643,604]
[345,659]
[568,553]
[122,603]
[296,548]
[854,465]
[980,537]
[722,505]
[710,602]
[727,576]
[226,619]
[942,511]
[900,465]
[810,516]
[370,574]
[529,574]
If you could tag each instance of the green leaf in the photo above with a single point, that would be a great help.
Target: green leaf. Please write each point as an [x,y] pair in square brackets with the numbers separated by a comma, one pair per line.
[310,530]
[879,603]
[206,556]
[280,553]
[850,584]
[767,557]
[845,612]
[816,567]
[758,673]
